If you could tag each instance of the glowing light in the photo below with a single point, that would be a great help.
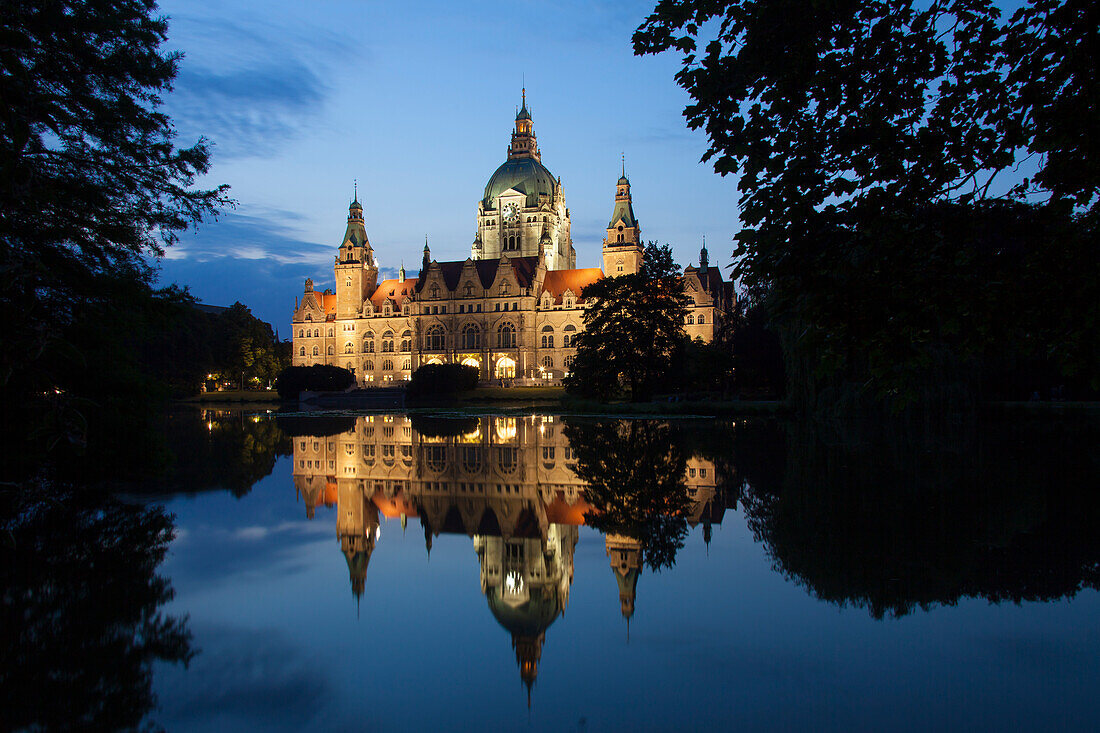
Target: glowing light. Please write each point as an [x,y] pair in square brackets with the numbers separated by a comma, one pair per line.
[513,582]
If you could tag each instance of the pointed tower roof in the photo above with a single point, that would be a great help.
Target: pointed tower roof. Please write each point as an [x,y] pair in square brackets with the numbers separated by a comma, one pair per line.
[523,114]
[624,208]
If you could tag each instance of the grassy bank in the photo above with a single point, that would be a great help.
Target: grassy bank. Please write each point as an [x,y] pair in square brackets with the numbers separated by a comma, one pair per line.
[265,396]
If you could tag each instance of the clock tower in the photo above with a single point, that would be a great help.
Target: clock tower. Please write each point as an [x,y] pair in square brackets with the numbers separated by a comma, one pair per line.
[523,212]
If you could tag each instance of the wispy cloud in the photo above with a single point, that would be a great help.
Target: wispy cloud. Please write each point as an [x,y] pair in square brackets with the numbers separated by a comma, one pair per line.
[246,112]
[248,89]
[262,234]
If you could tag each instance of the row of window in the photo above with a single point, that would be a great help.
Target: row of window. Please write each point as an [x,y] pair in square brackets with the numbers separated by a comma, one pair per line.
[311,333]
[691,319]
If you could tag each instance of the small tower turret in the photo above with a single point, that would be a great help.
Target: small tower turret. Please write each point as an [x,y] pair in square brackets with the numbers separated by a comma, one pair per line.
[524,144]
[622,250]
[703,259]
[356,270]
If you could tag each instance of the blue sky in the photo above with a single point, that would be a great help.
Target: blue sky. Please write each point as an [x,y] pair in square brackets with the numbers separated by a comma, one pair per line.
[416,101]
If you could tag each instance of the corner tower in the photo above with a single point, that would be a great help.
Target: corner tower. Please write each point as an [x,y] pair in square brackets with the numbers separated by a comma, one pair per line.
[622,250]
[522,212]
[356,270]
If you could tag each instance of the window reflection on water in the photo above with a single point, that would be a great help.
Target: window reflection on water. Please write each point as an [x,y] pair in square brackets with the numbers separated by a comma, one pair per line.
[516,487]
[874,519]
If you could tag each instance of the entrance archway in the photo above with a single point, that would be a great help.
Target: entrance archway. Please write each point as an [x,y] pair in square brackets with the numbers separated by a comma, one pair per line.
[506,368]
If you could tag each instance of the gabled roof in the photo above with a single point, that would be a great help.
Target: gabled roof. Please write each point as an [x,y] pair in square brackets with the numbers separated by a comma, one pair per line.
[524,268]
[394,289]
[557,282]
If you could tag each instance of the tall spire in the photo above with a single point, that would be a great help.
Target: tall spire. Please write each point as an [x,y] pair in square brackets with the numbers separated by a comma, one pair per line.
[703,259]
[355,189]
[524,144]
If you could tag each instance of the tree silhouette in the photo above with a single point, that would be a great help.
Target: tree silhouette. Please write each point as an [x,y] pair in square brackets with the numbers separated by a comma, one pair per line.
[634,470]
[879,145]
[80,612]
[633,329]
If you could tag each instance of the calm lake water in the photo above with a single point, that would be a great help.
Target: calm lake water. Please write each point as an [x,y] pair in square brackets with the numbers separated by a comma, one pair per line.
[561,573]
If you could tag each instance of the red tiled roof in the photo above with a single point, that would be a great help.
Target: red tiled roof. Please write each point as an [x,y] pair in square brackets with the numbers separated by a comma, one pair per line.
[328,303]
[558,281]
[394,289]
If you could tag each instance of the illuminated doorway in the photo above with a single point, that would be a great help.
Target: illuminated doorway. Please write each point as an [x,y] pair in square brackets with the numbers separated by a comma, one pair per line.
[506,368]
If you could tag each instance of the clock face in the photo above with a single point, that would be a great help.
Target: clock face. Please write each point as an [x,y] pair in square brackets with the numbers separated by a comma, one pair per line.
[511,213]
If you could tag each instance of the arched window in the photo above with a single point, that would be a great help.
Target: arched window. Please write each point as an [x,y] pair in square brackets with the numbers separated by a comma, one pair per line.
[368,344]
[349,348]
[433,341]
[407,364]
[569,362]
[347,282]
[504,288]
[330,350]
[302,351]
[548,362]
[506,336]
[702,319]
[315,351]
[368,366]
[387,365]
[620,237]
[469,290]
[567,339]
[471,337]
[387,342]
[406,342]
[300,333]
[471,460]
[330,333]
[691,320]
[309,317]
[435,291]
[547,337]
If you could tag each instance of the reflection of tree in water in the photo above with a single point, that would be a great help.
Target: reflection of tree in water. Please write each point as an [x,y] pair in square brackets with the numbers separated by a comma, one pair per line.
[80,610]
[886,521]
[221,449]
[635,475]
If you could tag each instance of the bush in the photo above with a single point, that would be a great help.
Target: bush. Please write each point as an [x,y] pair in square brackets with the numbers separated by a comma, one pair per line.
[316,378]
[442,379]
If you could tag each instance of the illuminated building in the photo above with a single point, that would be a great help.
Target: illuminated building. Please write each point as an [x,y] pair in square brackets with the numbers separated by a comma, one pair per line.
[513,309]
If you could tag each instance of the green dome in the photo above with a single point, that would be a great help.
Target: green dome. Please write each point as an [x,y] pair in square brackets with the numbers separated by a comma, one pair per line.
[526,175]
[528,619]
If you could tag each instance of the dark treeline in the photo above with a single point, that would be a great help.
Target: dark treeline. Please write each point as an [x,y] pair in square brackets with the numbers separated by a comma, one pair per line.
[920,194]
[893,520]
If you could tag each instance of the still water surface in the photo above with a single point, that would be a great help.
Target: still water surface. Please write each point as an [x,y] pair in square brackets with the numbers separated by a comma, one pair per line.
[547,572]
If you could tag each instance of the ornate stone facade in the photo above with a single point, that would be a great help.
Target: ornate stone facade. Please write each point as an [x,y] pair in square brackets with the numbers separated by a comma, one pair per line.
[512,309]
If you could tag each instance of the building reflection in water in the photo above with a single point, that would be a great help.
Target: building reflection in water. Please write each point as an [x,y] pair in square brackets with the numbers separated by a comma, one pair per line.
[512,484]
